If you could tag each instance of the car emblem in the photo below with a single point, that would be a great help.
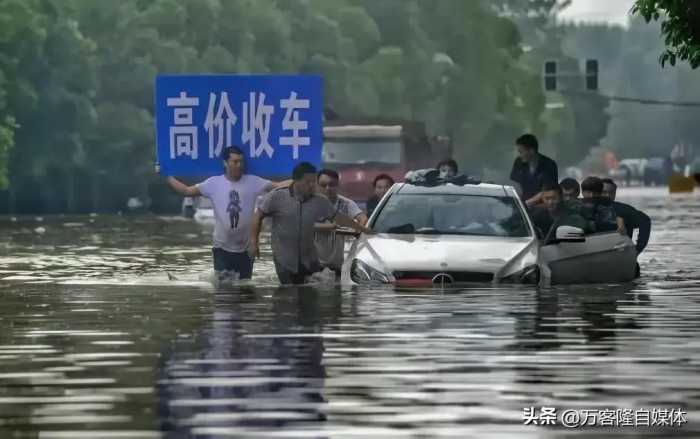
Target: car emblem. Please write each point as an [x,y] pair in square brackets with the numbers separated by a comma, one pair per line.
[443,278]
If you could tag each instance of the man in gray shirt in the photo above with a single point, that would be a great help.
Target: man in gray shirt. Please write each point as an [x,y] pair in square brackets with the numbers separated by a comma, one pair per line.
[295,213]
[329,244]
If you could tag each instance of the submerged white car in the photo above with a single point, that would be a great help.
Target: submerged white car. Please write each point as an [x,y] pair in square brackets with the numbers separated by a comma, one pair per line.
[449,234]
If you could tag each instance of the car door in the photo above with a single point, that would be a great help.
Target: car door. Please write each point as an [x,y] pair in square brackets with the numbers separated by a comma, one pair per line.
[603,257]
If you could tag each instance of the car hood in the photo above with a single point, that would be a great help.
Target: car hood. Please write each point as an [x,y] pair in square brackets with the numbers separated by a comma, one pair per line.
[389,252]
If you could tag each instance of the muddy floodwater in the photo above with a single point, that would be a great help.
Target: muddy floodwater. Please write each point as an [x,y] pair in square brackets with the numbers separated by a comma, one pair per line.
[111,328]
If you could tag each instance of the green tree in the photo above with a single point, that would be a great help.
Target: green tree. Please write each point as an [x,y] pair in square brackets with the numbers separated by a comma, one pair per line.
[47,65]
[7,141]
[680,27]
[650,130]
[77,77]
[571,121]
[17,19]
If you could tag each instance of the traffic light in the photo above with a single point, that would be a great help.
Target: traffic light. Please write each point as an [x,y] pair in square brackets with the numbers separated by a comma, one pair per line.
[550,75]
[592,74]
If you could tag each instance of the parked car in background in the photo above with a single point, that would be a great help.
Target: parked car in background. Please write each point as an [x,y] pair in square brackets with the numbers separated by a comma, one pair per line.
[599,161]
[656,171]
[629,170]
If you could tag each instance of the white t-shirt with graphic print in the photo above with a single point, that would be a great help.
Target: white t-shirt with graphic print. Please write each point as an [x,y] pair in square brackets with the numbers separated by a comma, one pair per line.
[234,204]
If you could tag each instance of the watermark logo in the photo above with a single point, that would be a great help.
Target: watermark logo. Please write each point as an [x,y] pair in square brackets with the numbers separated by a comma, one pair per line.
[576,418]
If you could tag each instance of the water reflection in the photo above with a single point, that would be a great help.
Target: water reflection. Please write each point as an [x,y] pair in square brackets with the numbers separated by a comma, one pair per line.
[562,345]
[561,314]
[258,364]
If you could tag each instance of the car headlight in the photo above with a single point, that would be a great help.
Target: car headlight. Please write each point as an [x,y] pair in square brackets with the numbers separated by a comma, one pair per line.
[528,275]
[362,273]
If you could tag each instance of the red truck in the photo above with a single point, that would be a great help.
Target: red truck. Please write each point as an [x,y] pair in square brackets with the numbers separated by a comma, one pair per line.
[361,150]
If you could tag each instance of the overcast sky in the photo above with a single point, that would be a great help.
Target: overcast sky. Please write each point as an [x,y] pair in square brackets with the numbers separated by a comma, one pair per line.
[613,11]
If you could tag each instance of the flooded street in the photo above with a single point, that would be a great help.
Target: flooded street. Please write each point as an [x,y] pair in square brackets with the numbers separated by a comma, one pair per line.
[110,327]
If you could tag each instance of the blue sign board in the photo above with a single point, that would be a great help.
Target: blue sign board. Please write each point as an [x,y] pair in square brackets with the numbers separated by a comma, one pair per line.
[275,120]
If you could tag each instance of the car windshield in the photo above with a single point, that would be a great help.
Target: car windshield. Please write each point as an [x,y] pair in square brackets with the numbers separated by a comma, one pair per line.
[359,152]
[437,214]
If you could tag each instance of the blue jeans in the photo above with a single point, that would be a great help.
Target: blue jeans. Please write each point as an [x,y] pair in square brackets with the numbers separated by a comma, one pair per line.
[241,263]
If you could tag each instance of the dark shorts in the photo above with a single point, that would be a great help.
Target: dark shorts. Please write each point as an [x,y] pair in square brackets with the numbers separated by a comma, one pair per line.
[241,263]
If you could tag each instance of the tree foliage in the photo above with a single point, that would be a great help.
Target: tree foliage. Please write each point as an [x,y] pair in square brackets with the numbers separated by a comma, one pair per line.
[629,67]
[680,27]
[76,78]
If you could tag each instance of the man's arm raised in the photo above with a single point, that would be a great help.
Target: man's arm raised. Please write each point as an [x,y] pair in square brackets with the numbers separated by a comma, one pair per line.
[183,189]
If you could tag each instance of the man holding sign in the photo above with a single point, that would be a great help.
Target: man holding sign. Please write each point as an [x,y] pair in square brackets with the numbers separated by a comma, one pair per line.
[233,197]
[276,119]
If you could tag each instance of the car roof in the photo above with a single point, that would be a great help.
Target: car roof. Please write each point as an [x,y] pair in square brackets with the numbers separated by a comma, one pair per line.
[483,189]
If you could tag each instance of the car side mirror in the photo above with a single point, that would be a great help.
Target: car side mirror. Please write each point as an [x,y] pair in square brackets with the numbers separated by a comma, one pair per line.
[569,234]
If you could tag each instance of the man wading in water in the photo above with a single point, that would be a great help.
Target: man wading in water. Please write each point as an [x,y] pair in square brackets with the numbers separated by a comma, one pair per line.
[296,212]
[233,196]
[329,245]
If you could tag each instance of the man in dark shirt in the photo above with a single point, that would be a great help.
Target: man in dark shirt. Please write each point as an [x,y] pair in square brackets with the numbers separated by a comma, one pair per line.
[571,189]
[382,184]
[634,219]
[601,209]
[531,170]
[554,213]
